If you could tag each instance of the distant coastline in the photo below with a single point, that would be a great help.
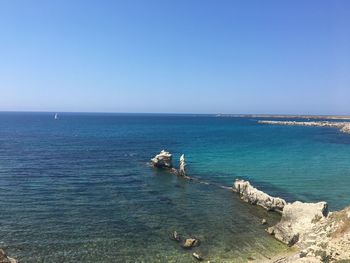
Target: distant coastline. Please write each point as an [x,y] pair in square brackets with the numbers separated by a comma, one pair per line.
[342,126]
[286,116]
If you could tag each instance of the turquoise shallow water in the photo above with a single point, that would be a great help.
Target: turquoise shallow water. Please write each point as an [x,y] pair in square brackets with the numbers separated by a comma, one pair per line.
[78,189]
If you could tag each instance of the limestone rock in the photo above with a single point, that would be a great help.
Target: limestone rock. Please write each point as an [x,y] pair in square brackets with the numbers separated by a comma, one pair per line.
[162,160]
[190,242]
[182,166]
[346,128]
[250,194]
[175,236]
[5,259]
[197,256]
[297,221]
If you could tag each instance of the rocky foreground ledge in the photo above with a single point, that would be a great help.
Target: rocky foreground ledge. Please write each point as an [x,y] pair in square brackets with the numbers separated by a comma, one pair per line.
[316,234]
[6,259]
[342,126]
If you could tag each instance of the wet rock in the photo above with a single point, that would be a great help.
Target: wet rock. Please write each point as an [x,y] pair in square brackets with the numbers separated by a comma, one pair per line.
[162,160]
[190,242]
[250,194]
[5,259]
[182,166]
[197,256]
[175,236]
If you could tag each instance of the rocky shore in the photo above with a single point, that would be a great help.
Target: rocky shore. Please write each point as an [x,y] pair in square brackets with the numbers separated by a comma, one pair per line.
[342,126]
[316,234]
[6,259]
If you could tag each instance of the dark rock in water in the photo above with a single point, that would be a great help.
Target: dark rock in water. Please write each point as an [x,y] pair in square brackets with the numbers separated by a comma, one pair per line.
[166,200]
[263,221]
[5,259]
[197,256]
[175,236]
[190,243]
[162,160]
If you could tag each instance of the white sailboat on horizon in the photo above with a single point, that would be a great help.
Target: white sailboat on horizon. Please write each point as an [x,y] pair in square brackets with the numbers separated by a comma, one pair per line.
[56,116]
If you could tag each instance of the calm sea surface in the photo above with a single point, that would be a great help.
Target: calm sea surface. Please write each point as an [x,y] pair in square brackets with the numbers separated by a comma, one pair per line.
[78,189]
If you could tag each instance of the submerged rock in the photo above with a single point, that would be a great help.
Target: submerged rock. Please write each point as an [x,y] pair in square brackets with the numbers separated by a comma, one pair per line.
[182,166]
[5,259]
[297,221]
[190,242]
[250,194]
[162,160]
[197,256]
[175,236]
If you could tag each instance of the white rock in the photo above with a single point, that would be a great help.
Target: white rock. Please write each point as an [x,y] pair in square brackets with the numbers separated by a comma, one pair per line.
[182,171]
[162,160]
[297,221]
[250,194]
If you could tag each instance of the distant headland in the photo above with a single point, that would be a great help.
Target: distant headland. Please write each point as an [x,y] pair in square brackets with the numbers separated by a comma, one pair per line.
[286,116]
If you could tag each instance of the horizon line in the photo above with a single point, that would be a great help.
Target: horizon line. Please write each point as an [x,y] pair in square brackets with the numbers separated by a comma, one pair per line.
[187,113]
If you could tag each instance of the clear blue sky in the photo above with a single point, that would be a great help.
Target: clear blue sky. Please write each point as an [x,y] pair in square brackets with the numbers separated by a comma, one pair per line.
[193,56]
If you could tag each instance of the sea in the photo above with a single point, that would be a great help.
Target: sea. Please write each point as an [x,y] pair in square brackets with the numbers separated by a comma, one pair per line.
[79,188]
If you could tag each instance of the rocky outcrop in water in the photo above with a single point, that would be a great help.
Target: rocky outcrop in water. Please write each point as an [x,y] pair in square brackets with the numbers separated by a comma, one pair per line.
[190,243]
[162,160]
[182,165]
[346,128]
[250,194]
[175,236]
[342,126]
[6,259]
[197,256]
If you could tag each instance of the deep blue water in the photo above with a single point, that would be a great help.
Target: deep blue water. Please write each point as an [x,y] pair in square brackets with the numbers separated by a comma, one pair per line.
[78,189]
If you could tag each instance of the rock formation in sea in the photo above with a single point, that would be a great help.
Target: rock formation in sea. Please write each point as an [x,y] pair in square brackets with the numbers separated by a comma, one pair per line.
[175,236]
[6,259]
[250,194]
[182,165]
[316,234]
[346,128]
[342,126]
[162,160]
[190,243]
[197,256]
